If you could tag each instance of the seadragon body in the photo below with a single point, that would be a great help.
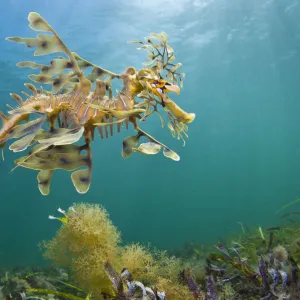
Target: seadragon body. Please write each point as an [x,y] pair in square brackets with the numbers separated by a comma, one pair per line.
[52,123]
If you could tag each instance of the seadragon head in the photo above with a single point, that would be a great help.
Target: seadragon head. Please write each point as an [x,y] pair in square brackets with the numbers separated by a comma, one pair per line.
[153,83]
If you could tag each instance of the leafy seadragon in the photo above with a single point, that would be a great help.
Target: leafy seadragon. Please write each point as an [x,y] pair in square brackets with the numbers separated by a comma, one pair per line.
[51,123]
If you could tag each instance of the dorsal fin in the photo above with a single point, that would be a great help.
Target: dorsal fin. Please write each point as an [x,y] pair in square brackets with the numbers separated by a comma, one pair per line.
[17,98]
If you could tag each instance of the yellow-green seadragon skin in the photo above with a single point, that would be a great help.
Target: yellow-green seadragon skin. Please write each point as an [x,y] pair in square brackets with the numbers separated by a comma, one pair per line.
[79,103]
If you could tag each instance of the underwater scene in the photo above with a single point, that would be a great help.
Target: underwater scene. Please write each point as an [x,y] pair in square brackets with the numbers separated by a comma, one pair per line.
[150,150]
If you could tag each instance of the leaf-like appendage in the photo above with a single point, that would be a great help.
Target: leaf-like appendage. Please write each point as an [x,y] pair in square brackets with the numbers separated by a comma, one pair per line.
[47,44]
[128,145]
[59,82]
[26,128]
[33,163]
[159,36]
[29,42]
[171,154]
[135,42]
[44,180]
[62,136]
[59,64]
[37,23]
[66,90]
[172,129]
[69,161]
[149,148]
[83,65]
[174,68]
[97,73]
[81,180]
[63,149]
[46,159]
[22,144]
[29,64]
[52,161]
[41,78]
[161,57]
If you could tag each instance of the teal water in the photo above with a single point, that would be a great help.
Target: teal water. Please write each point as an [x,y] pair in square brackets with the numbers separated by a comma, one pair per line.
[242,160]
